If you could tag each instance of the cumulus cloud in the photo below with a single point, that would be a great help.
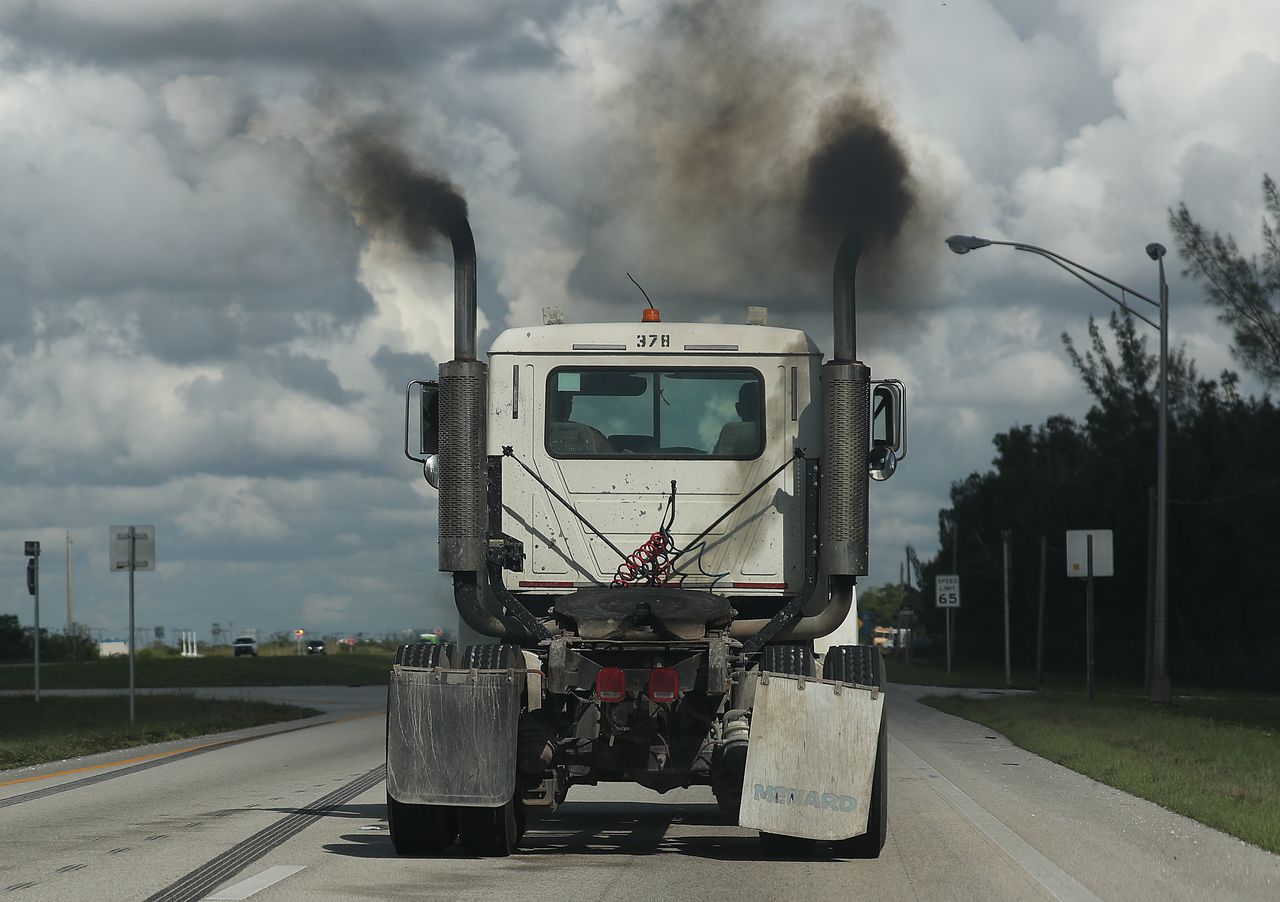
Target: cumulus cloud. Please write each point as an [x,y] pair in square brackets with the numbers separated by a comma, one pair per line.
[201,330]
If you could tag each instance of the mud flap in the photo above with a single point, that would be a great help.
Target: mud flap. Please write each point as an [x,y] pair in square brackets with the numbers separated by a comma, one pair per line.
[451,736]
[811,757]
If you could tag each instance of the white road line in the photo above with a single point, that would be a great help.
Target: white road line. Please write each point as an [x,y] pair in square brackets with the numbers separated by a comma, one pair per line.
[1059,884]
[246,888]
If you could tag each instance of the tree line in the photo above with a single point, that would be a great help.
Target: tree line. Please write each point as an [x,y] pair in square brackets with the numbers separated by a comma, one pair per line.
[1224,494]
[15,644]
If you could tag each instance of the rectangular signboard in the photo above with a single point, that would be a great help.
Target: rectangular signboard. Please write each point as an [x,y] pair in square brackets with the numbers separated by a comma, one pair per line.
[947,590]
[144,548]
[1077,552]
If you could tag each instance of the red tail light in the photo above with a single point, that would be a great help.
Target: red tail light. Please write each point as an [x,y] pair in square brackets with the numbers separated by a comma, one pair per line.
[664,684]
[611,684]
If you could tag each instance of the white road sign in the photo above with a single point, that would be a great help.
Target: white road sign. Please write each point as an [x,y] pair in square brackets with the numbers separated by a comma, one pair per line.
[1077,552]
[144,548]
[947,590]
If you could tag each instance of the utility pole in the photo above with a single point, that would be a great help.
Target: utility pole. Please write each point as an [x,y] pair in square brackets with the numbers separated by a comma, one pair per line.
[1044,552]
[954,553]
[1008,670]
[1150,631]
[1088,615]
[906,595]
[70,618]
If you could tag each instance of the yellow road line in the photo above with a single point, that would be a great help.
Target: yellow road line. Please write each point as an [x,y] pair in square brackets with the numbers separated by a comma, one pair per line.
[171,753]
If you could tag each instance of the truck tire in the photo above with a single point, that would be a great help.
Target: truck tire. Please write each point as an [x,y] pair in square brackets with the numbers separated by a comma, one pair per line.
[490,831]
[419,829]
[795,659]
[864,665]
[492,657]
[422,654]
[861,664]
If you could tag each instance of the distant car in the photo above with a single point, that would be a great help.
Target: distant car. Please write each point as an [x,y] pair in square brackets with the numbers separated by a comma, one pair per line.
[245,645]
[315,646]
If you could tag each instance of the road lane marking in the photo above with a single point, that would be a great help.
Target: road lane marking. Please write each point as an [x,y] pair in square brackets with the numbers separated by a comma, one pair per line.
[246,888]
[218,870]
[1057,882]
[145,762]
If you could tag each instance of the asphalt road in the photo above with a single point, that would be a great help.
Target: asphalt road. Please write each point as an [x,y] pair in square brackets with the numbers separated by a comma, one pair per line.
[296,812]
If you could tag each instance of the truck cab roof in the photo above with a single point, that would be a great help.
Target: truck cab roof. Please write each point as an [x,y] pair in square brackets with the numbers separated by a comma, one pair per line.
[662,338]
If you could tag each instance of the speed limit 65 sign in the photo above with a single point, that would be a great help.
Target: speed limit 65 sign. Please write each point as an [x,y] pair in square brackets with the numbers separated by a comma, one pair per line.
[947,590]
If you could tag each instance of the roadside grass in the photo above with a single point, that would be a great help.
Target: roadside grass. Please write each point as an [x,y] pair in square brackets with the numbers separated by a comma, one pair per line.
[59,728]
[931,672]
[1214,758]
[177,673]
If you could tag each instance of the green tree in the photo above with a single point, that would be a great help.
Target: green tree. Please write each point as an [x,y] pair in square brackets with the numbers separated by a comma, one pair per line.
[879,605]
[13,639]
[1246,290]
[15,643]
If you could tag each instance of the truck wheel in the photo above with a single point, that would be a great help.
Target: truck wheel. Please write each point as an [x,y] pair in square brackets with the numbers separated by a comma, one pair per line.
[794,659]
[422,654]
[871,843]
[490,831]
[492,657]
[864,665]
[861,664]
[419,829]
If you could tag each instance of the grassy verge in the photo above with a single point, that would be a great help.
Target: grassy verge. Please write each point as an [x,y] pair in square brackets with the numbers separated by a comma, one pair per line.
[165,673]
[58,728]
[926,672]
[1214,759]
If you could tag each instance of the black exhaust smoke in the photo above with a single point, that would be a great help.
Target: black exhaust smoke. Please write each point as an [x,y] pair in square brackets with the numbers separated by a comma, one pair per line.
[391,194]
[755,150]
[858,189]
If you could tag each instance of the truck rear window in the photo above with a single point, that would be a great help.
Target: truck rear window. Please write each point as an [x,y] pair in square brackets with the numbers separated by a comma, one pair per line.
[686,412]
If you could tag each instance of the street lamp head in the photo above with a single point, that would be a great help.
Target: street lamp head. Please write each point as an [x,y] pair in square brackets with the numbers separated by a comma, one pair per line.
[962,244]
[1155,251]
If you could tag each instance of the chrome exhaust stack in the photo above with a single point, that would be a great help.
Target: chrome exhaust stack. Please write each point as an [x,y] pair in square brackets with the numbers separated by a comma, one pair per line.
[463,504]
[846,427]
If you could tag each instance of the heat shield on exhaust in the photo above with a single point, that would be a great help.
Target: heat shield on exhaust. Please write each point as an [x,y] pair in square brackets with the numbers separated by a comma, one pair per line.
[451,736]
[811,758]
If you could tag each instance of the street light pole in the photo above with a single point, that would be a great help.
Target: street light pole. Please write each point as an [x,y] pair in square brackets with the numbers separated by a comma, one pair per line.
[1161,691]
[962,244]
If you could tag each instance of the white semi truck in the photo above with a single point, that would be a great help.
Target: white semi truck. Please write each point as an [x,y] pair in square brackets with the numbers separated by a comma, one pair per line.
[660,525]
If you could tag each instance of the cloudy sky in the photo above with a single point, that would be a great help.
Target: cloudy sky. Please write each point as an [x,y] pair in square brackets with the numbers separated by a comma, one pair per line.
[198,329]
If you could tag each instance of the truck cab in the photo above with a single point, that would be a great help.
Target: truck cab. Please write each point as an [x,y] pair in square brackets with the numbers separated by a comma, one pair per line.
[664,430]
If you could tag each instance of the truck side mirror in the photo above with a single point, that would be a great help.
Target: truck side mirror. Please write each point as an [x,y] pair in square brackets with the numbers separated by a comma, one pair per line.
[428,443]
[888,418]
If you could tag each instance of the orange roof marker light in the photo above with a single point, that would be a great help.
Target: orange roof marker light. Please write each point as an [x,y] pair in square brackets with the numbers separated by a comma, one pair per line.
[651,313]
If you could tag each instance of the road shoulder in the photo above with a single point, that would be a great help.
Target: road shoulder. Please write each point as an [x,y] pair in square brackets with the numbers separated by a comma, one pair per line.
[1106,839]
